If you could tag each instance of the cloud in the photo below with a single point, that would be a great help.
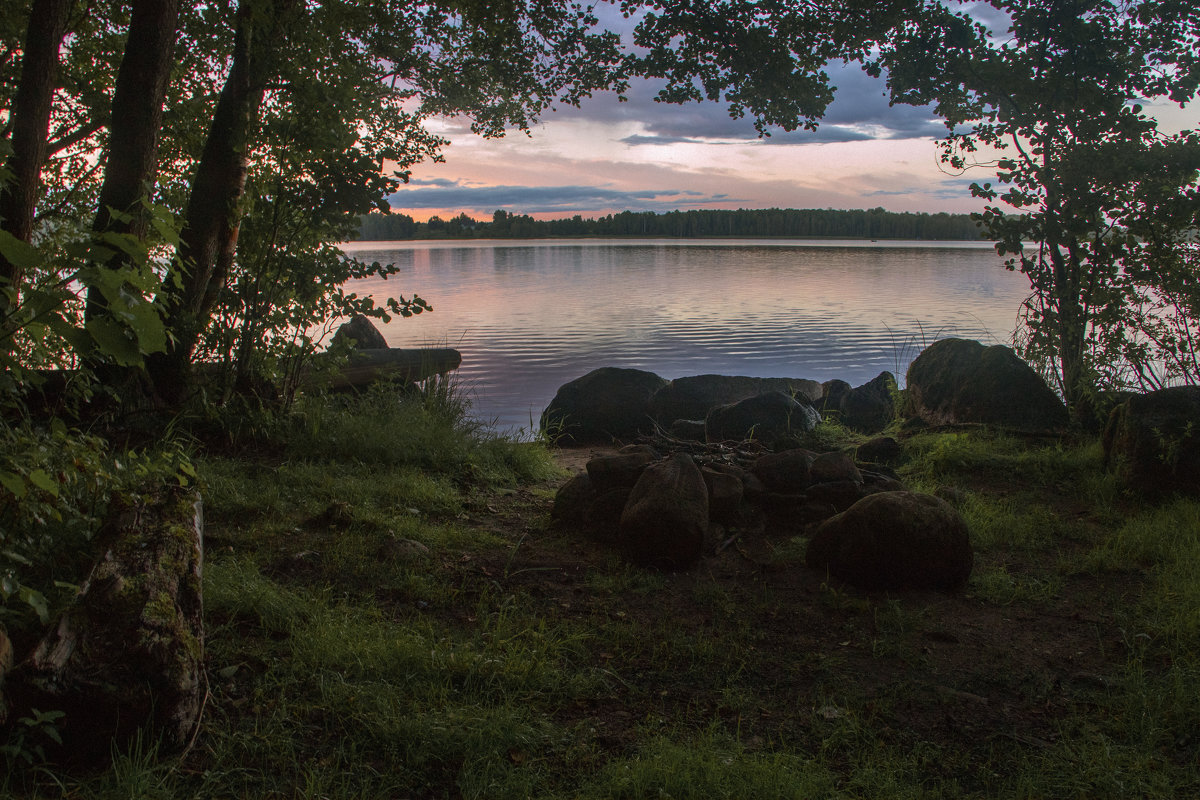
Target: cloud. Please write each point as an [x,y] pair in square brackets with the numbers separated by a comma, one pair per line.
[860,112]
[440,193]
[949,189]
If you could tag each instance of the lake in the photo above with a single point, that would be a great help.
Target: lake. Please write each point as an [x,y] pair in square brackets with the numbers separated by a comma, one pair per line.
[529,316]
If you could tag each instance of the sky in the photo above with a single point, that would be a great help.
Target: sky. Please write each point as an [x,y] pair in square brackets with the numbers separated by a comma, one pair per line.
[608,156]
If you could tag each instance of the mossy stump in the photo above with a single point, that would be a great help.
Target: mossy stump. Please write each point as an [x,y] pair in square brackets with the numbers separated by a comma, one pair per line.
[129,653]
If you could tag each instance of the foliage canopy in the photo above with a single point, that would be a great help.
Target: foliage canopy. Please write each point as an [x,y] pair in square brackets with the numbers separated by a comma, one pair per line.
[1091,201]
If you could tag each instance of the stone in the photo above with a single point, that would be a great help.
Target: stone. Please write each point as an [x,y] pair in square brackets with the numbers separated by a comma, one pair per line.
[619,471]
[880,450]
[604,515]
[789,514]
[605,405]
[1153,441]
[839,494]
[402,551]
[694,397]
[725,493]
[788,471]
[961,381]
[881,482]
[895,540]
[832,393]
[573,499]
[768,418]
[361,334]
[836,466]
[666,518]
[871,407]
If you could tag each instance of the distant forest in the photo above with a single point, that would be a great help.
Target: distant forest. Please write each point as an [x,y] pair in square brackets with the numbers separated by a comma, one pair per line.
[875,223]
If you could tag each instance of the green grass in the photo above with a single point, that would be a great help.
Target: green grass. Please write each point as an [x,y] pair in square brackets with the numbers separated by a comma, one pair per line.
[473,669]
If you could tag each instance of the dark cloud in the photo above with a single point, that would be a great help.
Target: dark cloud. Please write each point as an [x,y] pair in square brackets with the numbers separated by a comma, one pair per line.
[949,189]
[441,182]
[859,112]
[441,193]
[640,139]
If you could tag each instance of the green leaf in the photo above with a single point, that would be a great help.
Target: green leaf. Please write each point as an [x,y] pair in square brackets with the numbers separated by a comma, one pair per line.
[148,327]
[14,483]
[43,481]
[17,557]
[77,337]
[18,253]
[35,600]
[115,341]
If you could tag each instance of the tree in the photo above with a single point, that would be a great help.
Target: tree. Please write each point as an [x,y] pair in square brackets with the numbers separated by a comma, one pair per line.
[292,109]
[131,163]
[30,121]
[1053,105]
[307,102]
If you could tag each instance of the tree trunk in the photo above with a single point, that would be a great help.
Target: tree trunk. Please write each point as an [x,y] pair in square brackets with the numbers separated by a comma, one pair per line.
[30,118]
[208,243]
[141,89]
[130,651]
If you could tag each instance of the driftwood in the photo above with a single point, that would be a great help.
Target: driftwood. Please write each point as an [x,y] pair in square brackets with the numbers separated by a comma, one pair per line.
[130,652]
[403,364]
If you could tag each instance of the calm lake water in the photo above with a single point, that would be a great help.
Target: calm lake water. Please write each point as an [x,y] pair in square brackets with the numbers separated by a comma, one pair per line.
[530,316]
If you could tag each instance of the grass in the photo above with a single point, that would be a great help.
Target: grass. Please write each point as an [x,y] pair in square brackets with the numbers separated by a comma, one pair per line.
[504,658]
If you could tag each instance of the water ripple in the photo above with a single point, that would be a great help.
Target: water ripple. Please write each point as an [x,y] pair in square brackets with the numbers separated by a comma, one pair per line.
[528,317]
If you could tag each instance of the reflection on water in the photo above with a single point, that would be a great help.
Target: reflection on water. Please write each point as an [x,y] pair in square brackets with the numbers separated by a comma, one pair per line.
[530,316]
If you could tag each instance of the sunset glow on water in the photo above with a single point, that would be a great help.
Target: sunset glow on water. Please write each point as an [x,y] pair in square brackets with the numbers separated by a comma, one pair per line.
[529,316]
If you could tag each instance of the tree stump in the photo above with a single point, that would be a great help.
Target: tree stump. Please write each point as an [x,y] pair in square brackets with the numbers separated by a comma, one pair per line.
[130,652]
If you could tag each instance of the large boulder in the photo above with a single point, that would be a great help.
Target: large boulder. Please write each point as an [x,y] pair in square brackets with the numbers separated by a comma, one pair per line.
[959,380]
[617,471]
[895,540]
[832,393]
[725,492]
[1153,440]
[869,408]
[880,450]
[606,404]
[666,517]
[573,500]
[789,471]
[360,333]
[769,418]
[693,397]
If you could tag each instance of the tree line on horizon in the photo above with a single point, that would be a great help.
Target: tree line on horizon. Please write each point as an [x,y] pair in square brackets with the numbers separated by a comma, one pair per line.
[875,223]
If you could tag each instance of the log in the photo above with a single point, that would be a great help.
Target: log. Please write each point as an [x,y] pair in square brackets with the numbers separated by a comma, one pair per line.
[404,364]
[129,653]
